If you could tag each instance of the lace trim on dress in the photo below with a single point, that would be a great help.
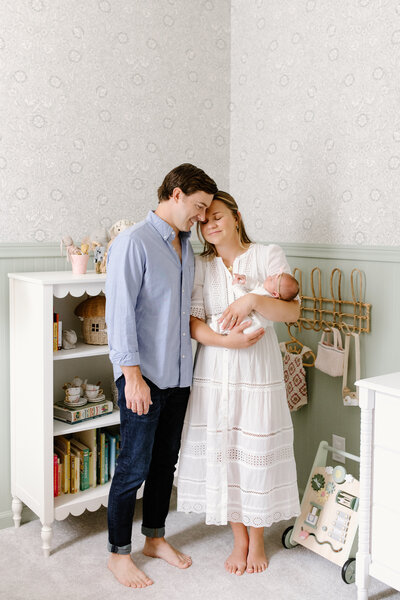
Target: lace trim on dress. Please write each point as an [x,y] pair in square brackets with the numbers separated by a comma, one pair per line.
[198,311]
[251,434]
[204,382]
[238,455]
[265,520]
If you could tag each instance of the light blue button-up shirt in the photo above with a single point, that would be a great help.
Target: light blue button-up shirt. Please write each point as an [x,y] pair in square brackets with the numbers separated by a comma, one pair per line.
[148,295]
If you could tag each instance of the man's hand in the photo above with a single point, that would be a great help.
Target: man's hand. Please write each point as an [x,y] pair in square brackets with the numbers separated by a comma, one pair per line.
[236,339]
[237,311]
[137,392]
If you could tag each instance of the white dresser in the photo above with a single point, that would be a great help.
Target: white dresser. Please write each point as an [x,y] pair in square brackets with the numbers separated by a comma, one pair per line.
[379,513]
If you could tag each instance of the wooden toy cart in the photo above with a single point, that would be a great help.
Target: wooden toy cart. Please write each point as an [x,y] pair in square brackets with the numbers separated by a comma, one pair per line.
[328,521]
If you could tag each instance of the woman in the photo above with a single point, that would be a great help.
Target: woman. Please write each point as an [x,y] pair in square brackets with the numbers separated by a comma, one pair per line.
[236,461]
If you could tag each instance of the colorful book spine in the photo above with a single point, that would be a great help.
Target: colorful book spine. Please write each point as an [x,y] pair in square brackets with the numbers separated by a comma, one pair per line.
[59,335]
[55,474]
[88,438]
[75,415]
[83,452]
[106,458]
[112,443]
[55,332]
[101,440]
[75,471]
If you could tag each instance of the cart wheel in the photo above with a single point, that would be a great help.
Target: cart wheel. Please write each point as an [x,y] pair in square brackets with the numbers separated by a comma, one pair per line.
[349,571]
[286,541]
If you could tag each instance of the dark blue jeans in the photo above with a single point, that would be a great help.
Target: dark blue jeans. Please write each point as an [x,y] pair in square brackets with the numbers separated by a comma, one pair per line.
[149,452]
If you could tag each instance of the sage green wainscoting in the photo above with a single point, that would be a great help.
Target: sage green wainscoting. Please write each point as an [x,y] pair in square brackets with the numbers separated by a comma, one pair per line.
[325,413]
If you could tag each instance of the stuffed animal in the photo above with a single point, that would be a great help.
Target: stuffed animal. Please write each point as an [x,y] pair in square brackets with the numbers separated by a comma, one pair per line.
[69,339]
[98,242]
[69,245]
[114,231]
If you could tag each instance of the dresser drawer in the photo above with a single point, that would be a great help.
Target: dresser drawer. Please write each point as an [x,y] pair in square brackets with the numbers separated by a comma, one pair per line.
[386,480]
[387,421]
[385,535]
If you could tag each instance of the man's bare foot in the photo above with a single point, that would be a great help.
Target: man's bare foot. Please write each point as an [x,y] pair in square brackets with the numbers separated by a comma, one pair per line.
[256,560]
[160,548]
[127,573]
[236,561]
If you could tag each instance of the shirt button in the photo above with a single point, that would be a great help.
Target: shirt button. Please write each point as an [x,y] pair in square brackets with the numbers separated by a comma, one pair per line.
[183,356]
[184,313]
[183,333]
[182,290]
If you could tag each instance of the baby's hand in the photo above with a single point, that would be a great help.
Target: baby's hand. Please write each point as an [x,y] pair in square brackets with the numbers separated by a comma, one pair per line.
[241,279]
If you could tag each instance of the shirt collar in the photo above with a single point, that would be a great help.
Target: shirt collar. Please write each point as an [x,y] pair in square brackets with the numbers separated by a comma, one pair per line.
[163,228]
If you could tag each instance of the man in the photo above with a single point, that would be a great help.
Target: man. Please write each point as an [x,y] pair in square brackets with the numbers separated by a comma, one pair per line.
[150,273]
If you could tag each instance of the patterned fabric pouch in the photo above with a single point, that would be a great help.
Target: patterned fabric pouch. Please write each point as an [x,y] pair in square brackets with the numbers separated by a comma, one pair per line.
[295,377]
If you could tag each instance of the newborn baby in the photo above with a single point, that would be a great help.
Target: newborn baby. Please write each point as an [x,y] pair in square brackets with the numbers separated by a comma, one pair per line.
[281,285]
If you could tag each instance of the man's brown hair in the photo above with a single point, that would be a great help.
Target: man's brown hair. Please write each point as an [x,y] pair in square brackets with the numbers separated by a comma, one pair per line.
[189,179]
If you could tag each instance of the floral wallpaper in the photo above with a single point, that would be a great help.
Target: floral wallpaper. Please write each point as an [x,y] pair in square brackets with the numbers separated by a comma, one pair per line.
[315,121]
[292,106]
[99,100]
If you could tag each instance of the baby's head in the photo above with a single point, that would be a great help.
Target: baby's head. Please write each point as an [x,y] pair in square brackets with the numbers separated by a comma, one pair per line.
[282,285]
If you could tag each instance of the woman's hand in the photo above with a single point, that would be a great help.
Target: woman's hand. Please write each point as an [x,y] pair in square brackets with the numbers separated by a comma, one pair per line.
[237,311]
[236,339]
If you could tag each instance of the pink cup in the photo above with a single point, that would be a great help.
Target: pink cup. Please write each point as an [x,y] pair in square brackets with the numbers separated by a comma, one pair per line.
[79,263]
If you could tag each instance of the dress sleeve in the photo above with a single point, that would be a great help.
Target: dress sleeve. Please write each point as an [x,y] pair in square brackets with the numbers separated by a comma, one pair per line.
[277,261]
[272,260]
[197,304]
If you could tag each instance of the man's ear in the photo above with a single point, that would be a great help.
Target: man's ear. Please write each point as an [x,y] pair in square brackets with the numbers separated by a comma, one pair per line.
[177,194]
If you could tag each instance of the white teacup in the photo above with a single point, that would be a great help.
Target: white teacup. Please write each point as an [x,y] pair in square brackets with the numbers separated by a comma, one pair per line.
[92,394]
[73,391]
[75,400]
[92,387]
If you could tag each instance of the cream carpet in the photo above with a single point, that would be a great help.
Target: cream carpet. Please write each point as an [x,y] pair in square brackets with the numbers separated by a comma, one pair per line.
[76,568]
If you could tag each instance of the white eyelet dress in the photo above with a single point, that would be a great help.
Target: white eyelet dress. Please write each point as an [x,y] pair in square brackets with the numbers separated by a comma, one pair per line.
[236,462]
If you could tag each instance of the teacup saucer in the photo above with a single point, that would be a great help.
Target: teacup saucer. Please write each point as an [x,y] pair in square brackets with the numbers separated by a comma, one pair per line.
[97,399]
[82,402]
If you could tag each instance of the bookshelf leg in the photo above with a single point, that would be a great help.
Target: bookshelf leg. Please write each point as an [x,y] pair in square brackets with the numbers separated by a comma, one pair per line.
[16,507]
[46,535]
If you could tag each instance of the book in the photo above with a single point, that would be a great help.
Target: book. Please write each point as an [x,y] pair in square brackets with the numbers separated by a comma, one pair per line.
[65,461]
[75,471]
[88,438]
[83,453]
[101,439]
[62,446]
[59,335]
[55,475]
[106,458]
[77,415]
[55,332]
[112,443]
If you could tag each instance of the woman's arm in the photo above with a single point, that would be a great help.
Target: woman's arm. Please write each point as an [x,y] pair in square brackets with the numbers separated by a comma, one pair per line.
[272,309]
[201,332]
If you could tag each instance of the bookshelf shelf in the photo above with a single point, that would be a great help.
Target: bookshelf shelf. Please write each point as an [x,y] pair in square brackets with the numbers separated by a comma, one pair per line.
[61,428]
[82,350]
[75,504]
[36,378]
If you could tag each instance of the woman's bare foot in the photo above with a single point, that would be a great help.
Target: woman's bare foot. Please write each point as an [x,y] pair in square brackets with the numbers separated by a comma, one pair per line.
[236,561]
[256,560]
[127,573]
[160,548]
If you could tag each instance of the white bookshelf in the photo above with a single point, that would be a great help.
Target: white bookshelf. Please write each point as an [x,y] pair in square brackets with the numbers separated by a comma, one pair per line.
[33,364]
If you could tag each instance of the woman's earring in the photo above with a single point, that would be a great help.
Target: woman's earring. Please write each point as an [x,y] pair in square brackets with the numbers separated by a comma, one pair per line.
[237,227]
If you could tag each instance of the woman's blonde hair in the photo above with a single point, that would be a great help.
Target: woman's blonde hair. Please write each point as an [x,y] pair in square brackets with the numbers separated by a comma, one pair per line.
[230,202]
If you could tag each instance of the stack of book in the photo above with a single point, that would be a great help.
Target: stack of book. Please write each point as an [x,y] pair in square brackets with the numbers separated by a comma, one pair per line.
[85,460]
[57,332]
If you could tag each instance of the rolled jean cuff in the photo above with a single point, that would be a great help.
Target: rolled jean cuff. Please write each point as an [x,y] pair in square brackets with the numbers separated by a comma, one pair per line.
[156,533]
[119,549]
